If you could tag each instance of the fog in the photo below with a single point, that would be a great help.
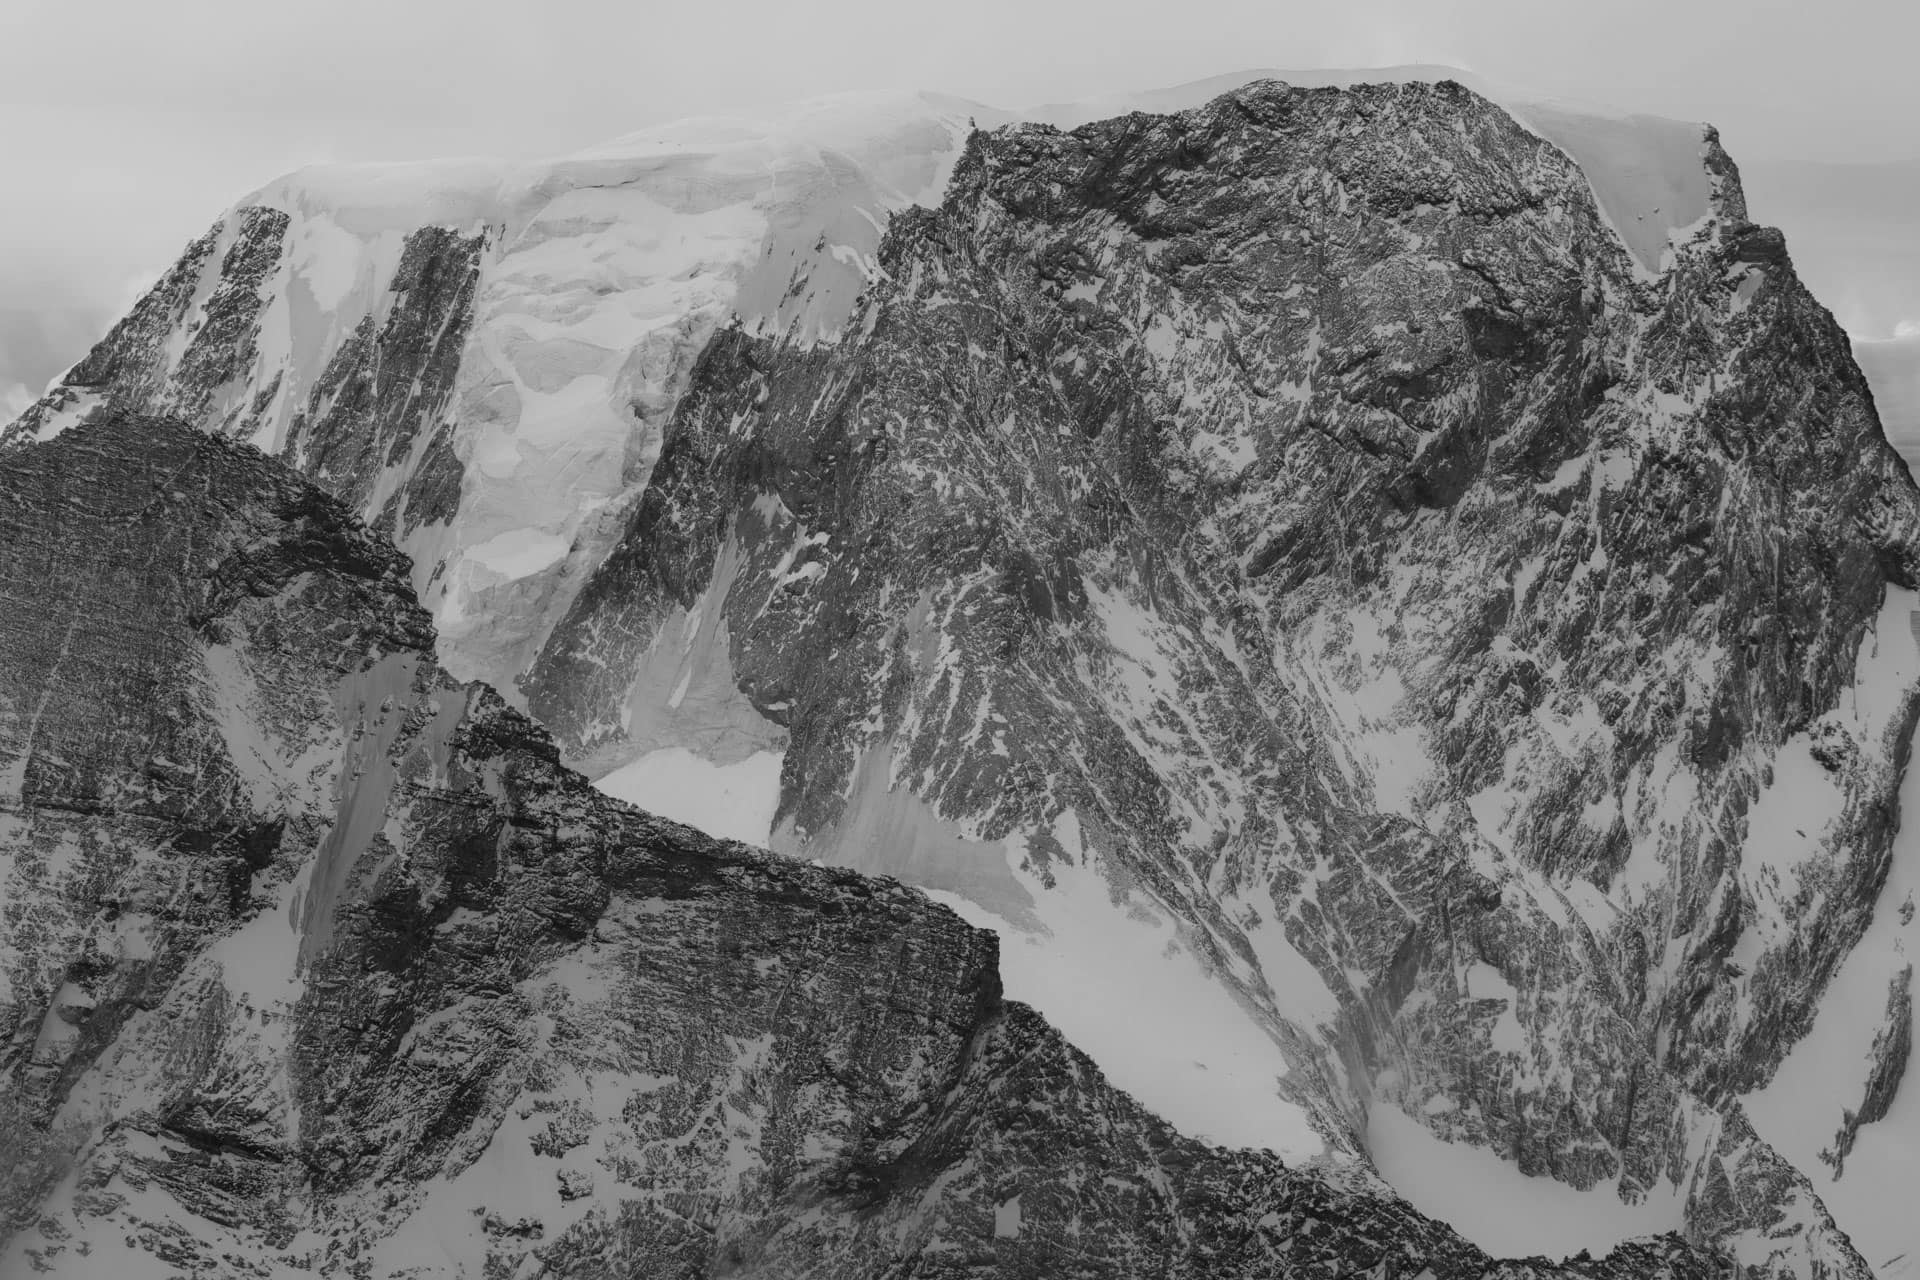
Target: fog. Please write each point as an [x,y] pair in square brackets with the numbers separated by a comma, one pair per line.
[126,127]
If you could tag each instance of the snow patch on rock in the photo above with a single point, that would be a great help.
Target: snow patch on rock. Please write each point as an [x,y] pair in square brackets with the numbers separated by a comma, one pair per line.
[733,801]
[1490,1202]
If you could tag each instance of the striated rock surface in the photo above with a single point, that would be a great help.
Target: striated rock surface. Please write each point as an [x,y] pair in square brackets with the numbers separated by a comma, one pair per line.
[1303,519]
[319,962]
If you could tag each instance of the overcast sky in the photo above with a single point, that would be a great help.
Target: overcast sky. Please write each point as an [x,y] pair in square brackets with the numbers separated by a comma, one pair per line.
[127,125]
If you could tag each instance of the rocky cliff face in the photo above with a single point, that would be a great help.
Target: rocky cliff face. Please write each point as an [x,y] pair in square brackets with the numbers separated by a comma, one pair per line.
[1487,657]
[1401,645]
[317,961]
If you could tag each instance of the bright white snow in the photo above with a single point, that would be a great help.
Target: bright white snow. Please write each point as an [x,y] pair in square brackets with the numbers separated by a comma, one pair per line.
[1490,1202]
[519,552]
[1113,974]
[733,801]
[1645,171]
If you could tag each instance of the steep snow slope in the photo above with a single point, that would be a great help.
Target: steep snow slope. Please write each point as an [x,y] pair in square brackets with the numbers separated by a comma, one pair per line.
[1837,1107]
[733,802]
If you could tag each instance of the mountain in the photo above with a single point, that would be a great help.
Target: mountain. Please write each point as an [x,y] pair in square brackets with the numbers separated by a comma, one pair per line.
[318,961]
[481,357]
[1399,611]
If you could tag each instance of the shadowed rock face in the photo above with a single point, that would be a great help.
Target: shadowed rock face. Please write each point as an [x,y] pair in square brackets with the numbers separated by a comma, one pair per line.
[1307,500]
[317,961]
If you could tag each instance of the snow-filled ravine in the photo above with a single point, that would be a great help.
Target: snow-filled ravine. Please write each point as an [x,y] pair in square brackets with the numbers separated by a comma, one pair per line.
[733,801]
[1112,972]
[1492,1203]
[1800,1112]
